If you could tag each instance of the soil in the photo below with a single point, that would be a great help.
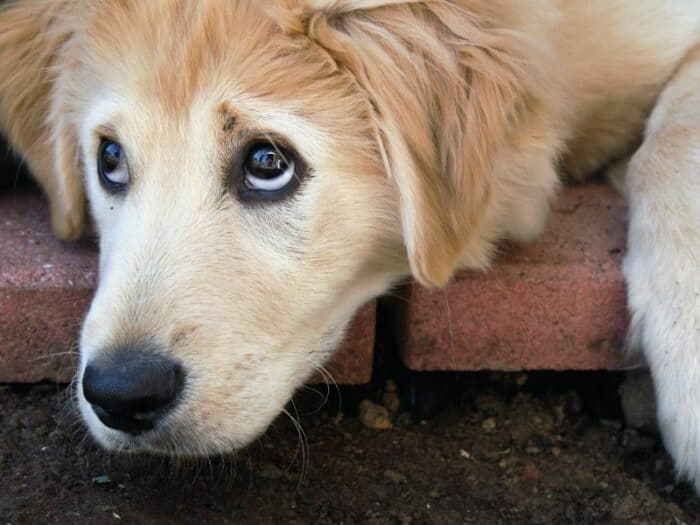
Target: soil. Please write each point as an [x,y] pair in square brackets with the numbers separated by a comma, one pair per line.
[544,448]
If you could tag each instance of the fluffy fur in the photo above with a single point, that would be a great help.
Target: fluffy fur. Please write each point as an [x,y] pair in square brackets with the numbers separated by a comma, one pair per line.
[434,129]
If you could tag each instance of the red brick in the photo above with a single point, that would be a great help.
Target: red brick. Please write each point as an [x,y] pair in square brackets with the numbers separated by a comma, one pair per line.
[45,289]
[557,304]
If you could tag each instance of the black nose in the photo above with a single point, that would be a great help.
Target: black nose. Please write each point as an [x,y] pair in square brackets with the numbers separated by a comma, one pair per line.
[130,389]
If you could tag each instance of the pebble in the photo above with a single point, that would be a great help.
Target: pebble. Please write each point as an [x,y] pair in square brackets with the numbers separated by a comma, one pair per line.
[391,401]
[612,424]
[659,464]
[531,473]
[489,424]
[374,416]
[572,403]
[559,415]
[102,479]
[635,442]
[625,508]
[404,419]
[270,471]
[395,477]
[489,404]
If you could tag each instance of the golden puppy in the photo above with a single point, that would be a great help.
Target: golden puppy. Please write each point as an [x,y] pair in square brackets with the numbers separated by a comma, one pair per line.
[259,169]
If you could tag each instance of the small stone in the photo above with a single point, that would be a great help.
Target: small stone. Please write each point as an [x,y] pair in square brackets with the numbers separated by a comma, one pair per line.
[466,455]
[391,401]
[270,471]
[394,477]
[659,464]
[102,479]
[531,473]
[489,424]
[559,415]
[625,508]
[532,451]
[404,419]
[612,424]
[489,404]
[572,403]
[635,442]
[556,452]
[374,416]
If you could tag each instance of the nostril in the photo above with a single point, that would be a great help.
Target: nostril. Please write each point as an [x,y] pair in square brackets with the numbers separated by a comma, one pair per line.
[131,390]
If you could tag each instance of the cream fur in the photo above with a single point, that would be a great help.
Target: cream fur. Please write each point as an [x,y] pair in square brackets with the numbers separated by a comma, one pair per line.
[434,130]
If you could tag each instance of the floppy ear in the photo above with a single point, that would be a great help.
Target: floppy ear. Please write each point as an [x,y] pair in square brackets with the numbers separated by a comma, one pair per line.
[33,34]
[447,86]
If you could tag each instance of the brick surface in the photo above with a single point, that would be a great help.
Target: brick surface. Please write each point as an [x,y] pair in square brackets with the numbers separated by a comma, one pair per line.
[45,289]
[558,304]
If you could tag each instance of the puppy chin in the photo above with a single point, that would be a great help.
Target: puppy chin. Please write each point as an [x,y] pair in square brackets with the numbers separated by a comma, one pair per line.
[160,442]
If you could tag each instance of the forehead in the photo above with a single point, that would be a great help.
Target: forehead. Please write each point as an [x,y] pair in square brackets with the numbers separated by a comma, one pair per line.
[175,52]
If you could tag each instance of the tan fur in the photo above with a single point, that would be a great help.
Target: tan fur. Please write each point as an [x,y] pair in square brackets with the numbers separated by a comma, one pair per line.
[434,129]
[32,36]
[448,87]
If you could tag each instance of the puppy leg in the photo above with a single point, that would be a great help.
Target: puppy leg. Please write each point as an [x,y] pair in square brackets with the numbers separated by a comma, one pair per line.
[662,266]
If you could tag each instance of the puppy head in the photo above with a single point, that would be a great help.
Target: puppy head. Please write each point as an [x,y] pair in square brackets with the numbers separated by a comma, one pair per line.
[257,171]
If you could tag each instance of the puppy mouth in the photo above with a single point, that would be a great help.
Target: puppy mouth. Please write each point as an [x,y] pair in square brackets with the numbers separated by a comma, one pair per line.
[153,442]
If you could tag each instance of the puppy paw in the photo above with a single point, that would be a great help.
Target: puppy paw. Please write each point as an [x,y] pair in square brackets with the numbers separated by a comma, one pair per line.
[665,306]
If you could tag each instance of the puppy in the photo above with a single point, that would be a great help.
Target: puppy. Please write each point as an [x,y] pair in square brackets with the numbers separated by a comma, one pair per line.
[259,169]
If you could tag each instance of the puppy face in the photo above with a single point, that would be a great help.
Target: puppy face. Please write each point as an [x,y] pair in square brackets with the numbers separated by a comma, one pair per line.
[241,201]
[257,170]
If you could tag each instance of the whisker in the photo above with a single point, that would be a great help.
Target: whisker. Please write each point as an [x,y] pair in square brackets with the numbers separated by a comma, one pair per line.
[53,354]
[302,445]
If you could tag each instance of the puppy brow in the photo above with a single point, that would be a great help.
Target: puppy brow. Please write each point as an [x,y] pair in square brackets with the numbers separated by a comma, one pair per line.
[106,131]
[228,118]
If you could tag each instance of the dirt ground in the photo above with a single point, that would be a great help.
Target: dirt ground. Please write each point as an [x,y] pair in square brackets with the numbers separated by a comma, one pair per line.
[543,448]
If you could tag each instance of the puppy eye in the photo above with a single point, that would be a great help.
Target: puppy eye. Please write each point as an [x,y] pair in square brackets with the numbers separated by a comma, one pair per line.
[111,166]
[269,172]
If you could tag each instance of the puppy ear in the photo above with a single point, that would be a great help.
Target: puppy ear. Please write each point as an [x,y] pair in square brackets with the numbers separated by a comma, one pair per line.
[33,36]
[447,86]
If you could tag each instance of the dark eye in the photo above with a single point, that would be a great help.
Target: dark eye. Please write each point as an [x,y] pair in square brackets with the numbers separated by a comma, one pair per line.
[269,172]
[111,166]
